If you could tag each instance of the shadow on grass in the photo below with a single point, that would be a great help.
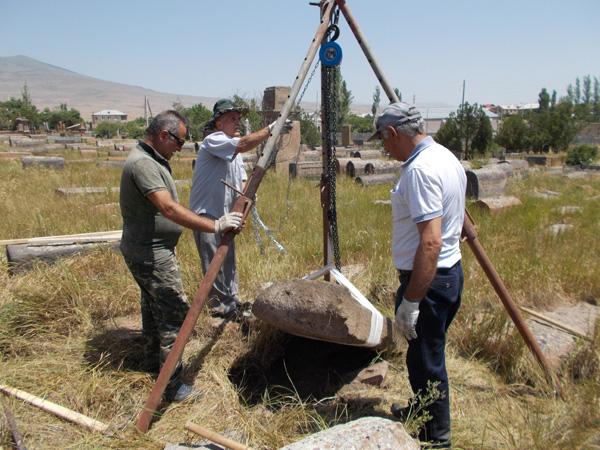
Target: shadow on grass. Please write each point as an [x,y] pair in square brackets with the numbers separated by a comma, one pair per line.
[121,349]
[304,369]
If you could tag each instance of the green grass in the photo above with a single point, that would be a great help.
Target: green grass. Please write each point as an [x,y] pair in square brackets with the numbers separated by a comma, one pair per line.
[59,323]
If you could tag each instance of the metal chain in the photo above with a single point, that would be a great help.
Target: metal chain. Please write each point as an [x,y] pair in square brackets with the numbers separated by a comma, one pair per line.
[330,107]
[256,220]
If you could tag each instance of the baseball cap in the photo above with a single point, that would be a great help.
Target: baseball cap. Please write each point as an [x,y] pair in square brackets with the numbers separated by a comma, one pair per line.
[394,115]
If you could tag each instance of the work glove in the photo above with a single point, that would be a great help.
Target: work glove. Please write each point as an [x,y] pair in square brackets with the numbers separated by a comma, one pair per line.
[406,319]
[228,221]
[288,125]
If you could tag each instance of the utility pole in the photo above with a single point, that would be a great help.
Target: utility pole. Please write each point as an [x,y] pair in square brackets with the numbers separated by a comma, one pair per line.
[463,97]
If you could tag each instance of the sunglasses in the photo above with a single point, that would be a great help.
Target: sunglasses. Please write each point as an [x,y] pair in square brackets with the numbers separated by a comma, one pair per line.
[177,138]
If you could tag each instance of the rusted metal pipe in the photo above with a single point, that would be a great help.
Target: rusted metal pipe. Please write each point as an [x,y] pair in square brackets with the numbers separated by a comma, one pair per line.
[366,48]
[242,205]
[287,106]
[470,235]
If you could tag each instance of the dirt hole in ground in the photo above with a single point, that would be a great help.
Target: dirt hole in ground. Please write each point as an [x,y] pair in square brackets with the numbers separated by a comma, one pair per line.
[305,369]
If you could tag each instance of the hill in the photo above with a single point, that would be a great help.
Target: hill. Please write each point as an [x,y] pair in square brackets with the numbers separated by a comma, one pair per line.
[49,86]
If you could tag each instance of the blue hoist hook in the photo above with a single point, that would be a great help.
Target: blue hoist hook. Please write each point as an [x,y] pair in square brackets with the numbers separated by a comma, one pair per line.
[331,53]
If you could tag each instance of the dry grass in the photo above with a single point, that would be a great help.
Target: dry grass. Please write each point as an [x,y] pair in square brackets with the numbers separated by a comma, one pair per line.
[66,329]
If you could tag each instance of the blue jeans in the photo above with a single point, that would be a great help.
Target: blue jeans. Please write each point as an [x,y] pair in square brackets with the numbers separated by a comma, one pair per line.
[425,357]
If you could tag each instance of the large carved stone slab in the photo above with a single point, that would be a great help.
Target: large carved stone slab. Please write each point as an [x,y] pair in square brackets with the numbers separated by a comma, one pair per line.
[322,310]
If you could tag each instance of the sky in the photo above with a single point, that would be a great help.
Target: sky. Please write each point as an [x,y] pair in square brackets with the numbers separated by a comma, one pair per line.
[502,52]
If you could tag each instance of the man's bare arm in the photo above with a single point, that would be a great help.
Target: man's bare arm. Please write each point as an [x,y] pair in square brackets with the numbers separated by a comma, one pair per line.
[426,258]
[180,214]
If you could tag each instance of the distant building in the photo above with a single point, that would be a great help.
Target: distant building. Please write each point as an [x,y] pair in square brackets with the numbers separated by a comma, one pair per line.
[512,110]
[436,117]
[108,116]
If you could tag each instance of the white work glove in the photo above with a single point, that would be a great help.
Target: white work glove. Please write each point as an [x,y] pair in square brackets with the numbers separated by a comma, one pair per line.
[224,223]
[406,319]
[286,127]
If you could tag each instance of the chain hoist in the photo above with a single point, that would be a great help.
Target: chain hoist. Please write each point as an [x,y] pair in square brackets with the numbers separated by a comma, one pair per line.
[331,56]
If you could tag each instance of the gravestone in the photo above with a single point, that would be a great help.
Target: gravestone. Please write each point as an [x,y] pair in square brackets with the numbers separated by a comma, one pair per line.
[289,143]
[489,181]
[346,135]
[51,162]
[324,311]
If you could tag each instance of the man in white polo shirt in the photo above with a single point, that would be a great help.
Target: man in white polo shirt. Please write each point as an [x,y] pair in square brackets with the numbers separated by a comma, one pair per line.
[428,205]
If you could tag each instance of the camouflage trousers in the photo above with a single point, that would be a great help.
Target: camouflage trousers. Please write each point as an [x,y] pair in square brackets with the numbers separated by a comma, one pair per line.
[164,306]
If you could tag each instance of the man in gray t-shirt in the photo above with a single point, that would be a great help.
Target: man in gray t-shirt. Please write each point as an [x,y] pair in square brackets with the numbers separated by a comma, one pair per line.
[153,220]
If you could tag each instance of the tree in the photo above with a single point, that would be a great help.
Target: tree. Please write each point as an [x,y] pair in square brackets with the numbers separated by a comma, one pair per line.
[512,133]
[361,124]
[60,115]
[482,139]
[14,108]
[596,101]
[135,129]
[344,100]
[468,131]
[376,100]
[587,90]
[309,133]
[107,129]
[563,126]
[552,129]
[544,100]
[582,154]
[196,115]
[449,135]
[398,94]
[254,117]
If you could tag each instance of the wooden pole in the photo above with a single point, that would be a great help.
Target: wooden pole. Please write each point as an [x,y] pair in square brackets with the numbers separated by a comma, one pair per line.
[242,205]
[101,236]
[215,437]
[55,409]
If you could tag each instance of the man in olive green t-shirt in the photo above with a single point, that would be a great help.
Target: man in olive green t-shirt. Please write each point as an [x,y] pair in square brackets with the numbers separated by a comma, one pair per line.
[153,220]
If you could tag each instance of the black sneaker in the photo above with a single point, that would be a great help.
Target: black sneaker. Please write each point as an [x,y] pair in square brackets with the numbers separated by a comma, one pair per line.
[401,413]
[182,393]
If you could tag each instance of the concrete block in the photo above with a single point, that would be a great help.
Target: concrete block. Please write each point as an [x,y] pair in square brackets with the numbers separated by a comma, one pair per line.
[356,167]
[22,257]
[489,181]
[497,204]
[51,162]
[380,178]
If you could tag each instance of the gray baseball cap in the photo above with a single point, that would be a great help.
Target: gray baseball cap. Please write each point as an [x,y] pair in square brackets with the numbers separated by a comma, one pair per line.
[394,115]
